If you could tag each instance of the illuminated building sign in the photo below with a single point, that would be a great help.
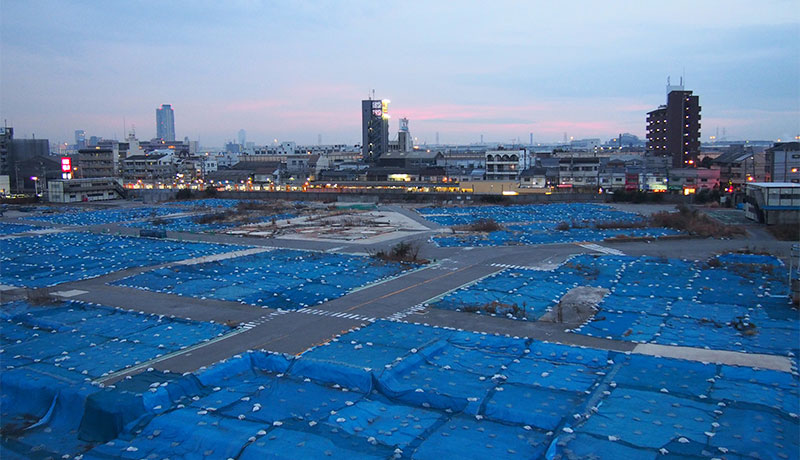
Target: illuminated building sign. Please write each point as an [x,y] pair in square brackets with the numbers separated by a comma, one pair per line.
[66,164]
[385,108]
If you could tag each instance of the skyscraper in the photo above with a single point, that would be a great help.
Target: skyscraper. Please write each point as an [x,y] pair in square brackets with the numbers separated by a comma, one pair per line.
[165,123]
[374,128]
[673,130]
[80,139]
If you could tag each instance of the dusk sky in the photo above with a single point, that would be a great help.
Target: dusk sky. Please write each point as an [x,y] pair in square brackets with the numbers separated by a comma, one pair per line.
[296,70]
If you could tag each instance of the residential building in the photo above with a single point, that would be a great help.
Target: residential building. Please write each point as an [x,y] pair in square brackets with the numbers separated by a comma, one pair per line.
[784,162]
[613,178]
[153,166]
[692,180]
[506,164]
[740,164]
[578,172]
[97,162]
[165,123]
[534,177]
[673,130]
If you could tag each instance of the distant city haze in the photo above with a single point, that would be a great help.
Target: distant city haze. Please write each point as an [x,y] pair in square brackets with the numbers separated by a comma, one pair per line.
[457,70]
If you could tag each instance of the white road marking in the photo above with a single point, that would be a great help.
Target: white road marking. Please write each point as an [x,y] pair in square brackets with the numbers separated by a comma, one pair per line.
[603,249]
[70,293]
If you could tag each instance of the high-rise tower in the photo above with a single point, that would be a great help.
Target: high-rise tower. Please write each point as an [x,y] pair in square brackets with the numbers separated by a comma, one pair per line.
[673,129]
[404,136]
[374,128]
[165,123]
[80,139]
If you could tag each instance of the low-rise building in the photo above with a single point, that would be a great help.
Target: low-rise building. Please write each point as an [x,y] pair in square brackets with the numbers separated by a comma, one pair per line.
[92,189]
[158,165]
[741,164]
[692,180]
[784,162]
[773,202]
[578,172]
[535,177]
[506,164]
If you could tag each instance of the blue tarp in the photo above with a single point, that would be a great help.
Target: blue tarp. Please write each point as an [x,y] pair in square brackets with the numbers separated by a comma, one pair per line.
[435,393]
[658,300]
[537,224]
[71,256]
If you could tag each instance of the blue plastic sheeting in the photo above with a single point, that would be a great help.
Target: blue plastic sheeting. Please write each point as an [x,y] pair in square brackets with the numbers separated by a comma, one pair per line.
[673,407]
[518,236]
[537,224]
[658,300]
[556,212]
[439,396]
[50,355]
[463,437]
[532,292]
[749,259]
[10,229]
[191,224]
[47,260]
[91,341]
[105,216]
[278,279]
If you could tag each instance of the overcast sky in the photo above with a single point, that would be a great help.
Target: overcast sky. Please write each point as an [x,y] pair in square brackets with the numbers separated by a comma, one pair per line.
[298,70]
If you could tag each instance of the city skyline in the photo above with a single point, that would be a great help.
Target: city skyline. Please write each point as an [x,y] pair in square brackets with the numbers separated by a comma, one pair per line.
[299,71]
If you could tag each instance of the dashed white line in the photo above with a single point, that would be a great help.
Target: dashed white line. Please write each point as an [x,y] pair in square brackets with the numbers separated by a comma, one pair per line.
[333,314]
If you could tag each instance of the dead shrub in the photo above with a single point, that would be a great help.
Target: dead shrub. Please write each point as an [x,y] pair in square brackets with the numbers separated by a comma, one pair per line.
[695,223]
[401,252]
[480,225]
[785,232]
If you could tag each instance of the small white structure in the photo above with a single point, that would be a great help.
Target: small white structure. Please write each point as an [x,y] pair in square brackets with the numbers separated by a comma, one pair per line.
[77,190]
[772,202]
